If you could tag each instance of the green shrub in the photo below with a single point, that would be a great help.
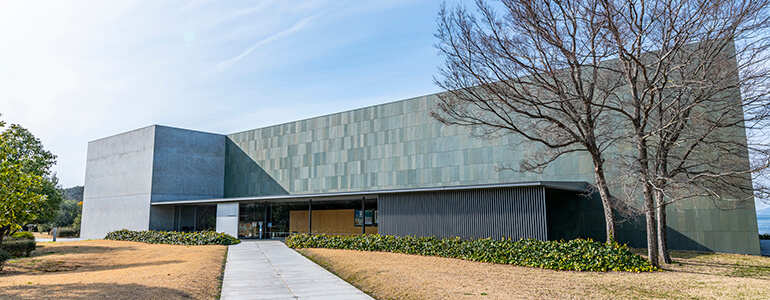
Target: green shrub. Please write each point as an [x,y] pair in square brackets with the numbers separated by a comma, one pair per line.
[764,236]
[578,255]
[3,257]
[44,228]
[173,237]
[24,235]
[18,247]
[67,232]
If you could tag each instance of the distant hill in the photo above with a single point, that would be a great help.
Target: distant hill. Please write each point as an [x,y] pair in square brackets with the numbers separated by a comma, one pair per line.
[74,193]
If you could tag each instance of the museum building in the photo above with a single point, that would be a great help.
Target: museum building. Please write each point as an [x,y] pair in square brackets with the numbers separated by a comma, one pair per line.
[388,169]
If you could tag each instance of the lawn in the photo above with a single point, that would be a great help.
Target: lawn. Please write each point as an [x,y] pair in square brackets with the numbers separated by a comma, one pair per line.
[114,269]
[401,276]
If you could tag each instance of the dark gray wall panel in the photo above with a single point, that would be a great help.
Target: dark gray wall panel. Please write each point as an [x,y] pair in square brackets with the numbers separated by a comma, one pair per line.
[162,218]
[574,215]
[510,212]
[187,165]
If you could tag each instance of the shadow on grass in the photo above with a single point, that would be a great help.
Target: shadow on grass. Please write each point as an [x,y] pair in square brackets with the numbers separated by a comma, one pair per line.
[689,254]
[91,291]
[48,266]
[46,249]
[719,264]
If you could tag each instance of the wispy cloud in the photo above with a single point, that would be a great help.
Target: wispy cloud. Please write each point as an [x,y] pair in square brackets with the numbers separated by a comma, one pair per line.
[218,68]
[75,71]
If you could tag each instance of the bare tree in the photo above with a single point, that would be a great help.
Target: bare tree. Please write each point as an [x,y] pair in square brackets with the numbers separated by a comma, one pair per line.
[535,72]
[665,77]
[685,77]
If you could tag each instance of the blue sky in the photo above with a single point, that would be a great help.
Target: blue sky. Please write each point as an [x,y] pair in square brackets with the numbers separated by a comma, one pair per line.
[75,71]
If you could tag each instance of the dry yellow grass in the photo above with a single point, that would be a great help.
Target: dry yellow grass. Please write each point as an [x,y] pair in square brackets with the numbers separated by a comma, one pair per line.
[114,270]
[42,235]
[401,276]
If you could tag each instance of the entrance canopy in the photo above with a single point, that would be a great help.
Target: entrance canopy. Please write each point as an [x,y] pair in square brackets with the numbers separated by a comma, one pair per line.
[574,186]
[517,210]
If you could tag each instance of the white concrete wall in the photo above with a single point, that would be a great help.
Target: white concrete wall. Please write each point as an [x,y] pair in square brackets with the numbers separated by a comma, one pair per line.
[227,218]
[128,171]
[118,183]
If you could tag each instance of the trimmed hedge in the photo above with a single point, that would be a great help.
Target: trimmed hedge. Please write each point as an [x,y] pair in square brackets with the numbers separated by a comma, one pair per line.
[173,237]
[24,235]
[577,255]
[67,232]
[18,247]
[3,257]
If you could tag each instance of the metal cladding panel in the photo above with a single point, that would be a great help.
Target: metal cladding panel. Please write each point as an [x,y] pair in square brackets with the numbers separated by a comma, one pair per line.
[394,145]
[505,212]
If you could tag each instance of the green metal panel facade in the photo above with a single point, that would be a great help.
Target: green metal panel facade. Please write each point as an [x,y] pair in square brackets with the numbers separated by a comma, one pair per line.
[399,145]
[389,146]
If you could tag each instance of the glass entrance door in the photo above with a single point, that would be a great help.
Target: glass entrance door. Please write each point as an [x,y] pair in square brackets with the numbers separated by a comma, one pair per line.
[252,222]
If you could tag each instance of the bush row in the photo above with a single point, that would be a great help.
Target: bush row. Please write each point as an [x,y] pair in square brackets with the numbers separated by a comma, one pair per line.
[23,235]
[764,236]
[18,247]
[578,255]
[173,237]
[68,232]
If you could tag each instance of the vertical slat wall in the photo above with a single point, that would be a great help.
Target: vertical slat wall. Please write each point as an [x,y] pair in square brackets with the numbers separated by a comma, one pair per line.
[505,212]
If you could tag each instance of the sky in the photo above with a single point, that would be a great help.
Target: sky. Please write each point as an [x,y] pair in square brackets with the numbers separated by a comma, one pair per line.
[76,71]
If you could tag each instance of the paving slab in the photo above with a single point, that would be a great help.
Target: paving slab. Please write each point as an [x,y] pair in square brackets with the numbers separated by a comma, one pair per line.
[267,269]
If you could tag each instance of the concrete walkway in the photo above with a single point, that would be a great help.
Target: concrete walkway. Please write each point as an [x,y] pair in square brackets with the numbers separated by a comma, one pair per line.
[269,270]
[62,239]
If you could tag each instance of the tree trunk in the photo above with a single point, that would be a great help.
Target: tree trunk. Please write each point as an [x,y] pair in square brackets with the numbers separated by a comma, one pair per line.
[649,201]
[3,230]
[652,232]
[604,193]
[662,238]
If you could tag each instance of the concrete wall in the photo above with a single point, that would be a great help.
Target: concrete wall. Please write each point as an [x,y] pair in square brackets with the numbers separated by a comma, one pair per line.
[126,172]
[187,165]
[227,218]
[118,183]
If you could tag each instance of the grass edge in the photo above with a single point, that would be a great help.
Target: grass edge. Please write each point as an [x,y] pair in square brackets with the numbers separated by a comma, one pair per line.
[221,277]
[326,267]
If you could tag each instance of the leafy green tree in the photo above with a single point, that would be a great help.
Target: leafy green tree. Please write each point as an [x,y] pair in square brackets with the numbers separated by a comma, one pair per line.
[68,212]
[51,189]
[74,193]
[79,218]
[28,190]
